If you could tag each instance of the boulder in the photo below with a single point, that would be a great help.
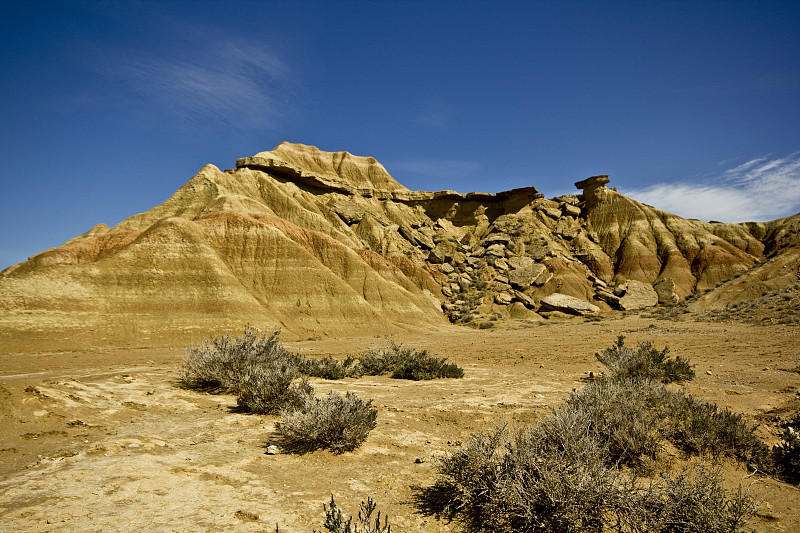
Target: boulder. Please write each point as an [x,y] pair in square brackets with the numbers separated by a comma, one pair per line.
[436,257]
[543,278]
[526,300]
[408,234]
[524,277]
[666,291]
[520,262]
[608,297]
[636,295]
[569,210]
[496,238]
[348,212]
[503,298]
[568,304]
[501,264]
[552,212]
[497,250]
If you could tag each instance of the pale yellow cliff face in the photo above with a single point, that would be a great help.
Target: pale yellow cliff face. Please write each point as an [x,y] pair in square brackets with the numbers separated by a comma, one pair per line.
[327,243]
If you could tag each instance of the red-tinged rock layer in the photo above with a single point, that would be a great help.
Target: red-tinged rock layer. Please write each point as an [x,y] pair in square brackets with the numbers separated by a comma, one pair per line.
[327,243]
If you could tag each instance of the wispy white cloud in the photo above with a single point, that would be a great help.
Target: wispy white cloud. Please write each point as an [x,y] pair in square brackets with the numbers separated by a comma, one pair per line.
[761,189]
[214,79]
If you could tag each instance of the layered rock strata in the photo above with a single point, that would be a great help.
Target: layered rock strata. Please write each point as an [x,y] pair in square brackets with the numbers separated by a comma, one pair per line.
[323,243]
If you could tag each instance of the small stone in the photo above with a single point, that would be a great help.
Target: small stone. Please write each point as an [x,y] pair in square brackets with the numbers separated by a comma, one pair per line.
[272,450]
[708,372]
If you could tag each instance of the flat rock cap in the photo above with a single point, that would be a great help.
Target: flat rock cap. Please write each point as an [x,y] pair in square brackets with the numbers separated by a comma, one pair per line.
[594,181]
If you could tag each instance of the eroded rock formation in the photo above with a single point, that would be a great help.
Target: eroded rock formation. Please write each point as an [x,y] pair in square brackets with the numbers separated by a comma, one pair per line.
[329,243]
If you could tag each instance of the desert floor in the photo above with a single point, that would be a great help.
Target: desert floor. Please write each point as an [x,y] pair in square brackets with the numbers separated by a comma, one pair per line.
[106,441]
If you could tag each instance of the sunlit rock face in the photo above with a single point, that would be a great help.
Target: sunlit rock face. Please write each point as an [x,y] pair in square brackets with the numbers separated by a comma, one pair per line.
[328,243]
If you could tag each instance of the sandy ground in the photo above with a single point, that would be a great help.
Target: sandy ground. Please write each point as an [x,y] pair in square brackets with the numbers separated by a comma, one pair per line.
[106,441]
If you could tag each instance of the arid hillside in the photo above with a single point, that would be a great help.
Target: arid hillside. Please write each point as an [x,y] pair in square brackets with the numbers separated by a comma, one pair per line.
[327,243]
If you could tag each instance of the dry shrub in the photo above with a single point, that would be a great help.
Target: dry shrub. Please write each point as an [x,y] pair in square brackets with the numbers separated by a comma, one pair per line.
[578,469]
[644,362]
[555,476]
[786,454]
[267,391]
[339,423]
[220,364]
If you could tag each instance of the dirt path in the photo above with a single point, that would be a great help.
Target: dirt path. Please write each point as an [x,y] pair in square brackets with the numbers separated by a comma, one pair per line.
[105,441]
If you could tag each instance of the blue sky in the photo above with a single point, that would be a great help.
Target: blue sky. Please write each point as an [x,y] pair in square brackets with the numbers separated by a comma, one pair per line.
[109,107]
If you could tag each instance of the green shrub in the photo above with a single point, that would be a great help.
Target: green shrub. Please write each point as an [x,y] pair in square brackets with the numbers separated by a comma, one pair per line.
[378,361]
[786,454]
[421,366]
[329,368]
[335,522]
[403,362]
[644,362]
[220,364]
[702,427]
[339,423]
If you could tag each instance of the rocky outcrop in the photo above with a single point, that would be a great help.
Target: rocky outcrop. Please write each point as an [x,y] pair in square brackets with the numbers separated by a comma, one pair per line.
[636,295]
[329,243]
[568,304]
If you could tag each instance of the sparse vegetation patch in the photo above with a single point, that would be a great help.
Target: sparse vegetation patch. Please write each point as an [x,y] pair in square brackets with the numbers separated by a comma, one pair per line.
[335,522]
[582,467]
[403,362]
[339,423]
[644,362]
[222,363]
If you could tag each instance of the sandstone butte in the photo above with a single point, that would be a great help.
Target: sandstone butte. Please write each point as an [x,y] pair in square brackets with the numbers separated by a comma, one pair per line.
[326,243]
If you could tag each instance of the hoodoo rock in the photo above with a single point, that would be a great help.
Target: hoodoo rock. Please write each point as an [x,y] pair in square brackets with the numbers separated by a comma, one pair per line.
[328,243]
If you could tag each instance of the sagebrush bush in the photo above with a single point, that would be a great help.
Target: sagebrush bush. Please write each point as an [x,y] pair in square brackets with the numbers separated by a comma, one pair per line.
[627,416]
[335,522]
[786,454]
[220,364]
[555,476]
[578,469]
[644,362]
[339,423]
[266,391]
[379,361]
[634,416]
[702,427]
[691,501]
[403,362]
